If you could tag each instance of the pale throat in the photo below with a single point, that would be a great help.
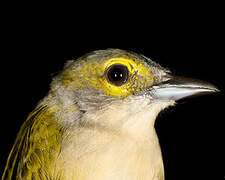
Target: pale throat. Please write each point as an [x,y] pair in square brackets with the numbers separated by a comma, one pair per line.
[141,123]
[134,116]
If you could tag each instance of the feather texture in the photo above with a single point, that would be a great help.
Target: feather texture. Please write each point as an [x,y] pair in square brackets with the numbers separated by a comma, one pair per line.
[36,148]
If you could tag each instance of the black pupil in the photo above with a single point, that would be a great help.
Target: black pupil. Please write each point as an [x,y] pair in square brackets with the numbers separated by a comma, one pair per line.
[117,74]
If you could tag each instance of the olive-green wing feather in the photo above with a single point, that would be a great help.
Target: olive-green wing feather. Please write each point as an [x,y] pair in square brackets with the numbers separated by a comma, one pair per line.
[36,148]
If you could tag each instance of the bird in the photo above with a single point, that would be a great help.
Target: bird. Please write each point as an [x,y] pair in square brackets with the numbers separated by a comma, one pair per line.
[97,120]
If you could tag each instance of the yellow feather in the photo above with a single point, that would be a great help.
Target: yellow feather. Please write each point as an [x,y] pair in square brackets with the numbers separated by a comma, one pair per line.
[90,128]
[36,148]
[92,73]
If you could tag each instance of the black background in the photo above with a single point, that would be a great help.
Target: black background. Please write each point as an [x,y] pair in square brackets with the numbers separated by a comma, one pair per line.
[191,134]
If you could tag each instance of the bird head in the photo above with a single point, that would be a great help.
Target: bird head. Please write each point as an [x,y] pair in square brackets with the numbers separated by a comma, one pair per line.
[117,89]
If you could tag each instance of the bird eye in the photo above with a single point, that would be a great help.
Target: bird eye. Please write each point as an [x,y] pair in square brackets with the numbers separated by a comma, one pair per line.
[117,74]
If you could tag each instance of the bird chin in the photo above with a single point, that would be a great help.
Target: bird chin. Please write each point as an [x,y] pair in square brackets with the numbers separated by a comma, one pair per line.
[143,113]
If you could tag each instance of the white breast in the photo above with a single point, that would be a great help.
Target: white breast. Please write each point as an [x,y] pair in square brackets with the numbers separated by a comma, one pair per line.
[126,149]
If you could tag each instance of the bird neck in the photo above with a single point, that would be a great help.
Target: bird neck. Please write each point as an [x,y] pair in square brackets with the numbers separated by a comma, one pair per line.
[141,124]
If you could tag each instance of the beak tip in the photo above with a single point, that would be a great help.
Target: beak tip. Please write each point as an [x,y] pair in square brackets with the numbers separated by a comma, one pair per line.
[216,90]
[211,88]
[179,88]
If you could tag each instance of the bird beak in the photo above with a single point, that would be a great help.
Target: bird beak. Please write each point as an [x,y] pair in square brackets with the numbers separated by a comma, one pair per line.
[177,88]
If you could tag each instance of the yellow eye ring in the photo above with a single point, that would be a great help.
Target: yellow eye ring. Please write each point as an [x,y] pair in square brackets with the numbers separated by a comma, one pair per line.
[117,74]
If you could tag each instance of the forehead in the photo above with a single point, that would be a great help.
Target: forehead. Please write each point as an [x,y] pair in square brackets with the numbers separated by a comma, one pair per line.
[96,62]
[104,55]
[98,59]
[100,56]
[90,69]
